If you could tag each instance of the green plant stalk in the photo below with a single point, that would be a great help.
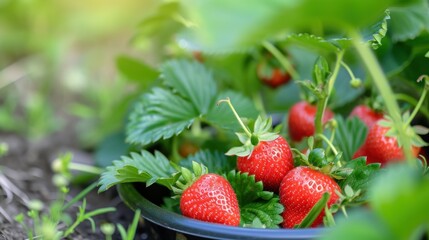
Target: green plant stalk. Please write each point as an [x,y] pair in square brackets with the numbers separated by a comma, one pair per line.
[412,101]
[85,168]
[245,129]
[281,58]
[349,71]
[133,227]
[87,216]
[417,107]
[81,195]
[322,102]
[382,84]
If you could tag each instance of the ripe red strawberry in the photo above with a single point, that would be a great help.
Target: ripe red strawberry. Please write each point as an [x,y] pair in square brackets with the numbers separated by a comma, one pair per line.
[301,120]
[272,76]
[300,190]
[366,114]
[264,154]
[269,162]
[211,198]
[380,148]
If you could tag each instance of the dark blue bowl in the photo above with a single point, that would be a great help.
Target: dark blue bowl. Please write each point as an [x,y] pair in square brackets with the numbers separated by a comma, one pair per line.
[165,224]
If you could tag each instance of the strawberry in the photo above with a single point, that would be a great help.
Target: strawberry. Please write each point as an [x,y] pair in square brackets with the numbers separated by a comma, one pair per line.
[301,120]
[366,114]
[272,77]
[264,154]
[206,196]
[379,148]
[188,148]
[211,198]
[269,162]
[198,55]
[300,190]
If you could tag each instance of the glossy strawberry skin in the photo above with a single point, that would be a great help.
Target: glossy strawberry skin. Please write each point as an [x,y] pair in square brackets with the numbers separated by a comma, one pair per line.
[366,114]
[300,190]
[211,199]
[269,161]
[379,148]
[301,120]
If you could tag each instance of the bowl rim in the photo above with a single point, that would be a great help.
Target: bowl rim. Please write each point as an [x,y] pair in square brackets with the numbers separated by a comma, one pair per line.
[189,226]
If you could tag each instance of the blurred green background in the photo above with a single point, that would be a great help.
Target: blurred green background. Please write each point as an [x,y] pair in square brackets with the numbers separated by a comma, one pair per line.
[58,65]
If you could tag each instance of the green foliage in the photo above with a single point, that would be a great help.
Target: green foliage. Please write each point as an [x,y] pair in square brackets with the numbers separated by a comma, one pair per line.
[410,21]
[191,95]
[159,114]
[314,212]
[254,202]
[392,199]
[349,135]
[274,17]
[130,233]
[221,116]
[3,149]
[136,70]
[110,148]
[216,162]
[143,167]
[193,81]
[377,32]
[360,176]
[55,223]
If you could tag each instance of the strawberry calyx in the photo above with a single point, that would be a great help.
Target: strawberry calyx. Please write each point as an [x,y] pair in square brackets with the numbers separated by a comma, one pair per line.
[250,139]
[412,132]
[318,160]
[188,177]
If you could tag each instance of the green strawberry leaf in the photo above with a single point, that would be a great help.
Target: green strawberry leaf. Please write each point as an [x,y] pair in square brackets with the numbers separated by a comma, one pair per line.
[360,176]
[349,136]
[192,81]
[310,41]
[314,212]
[159,27]
[159,114]
[375,33]
[409,21]
[164,112]
[254,202]
[267,213]
[398,195]
[136,70]
[143,167]
[251,22]
[241,151]
[215,161]
[222,116]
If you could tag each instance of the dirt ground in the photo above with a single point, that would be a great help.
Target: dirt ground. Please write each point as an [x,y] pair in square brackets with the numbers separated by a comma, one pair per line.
[25,174]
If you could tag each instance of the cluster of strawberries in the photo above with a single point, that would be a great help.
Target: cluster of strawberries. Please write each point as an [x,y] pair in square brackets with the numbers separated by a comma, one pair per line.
[270,159]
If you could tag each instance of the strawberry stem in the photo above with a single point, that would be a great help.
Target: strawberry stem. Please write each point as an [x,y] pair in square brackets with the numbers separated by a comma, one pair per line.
[412,101]
[323,101]
[420,102]
[349,71]
[245,128]
[380,80]
[281,58]
[331,146]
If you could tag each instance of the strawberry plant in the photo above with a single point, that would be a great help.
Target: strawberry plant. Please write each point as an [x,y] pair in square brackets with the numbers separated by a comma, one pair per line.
[293,155]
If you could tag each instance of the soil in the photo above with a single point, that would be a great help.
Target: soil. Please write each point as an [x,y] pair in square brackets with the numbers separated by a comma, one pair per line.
[25,174]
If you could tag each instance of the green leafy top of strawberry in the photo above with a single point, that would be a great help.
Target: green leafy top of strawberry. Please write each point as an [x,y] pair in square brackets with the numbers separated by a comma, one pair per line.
[250,139]
[188,177]
[413,132]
